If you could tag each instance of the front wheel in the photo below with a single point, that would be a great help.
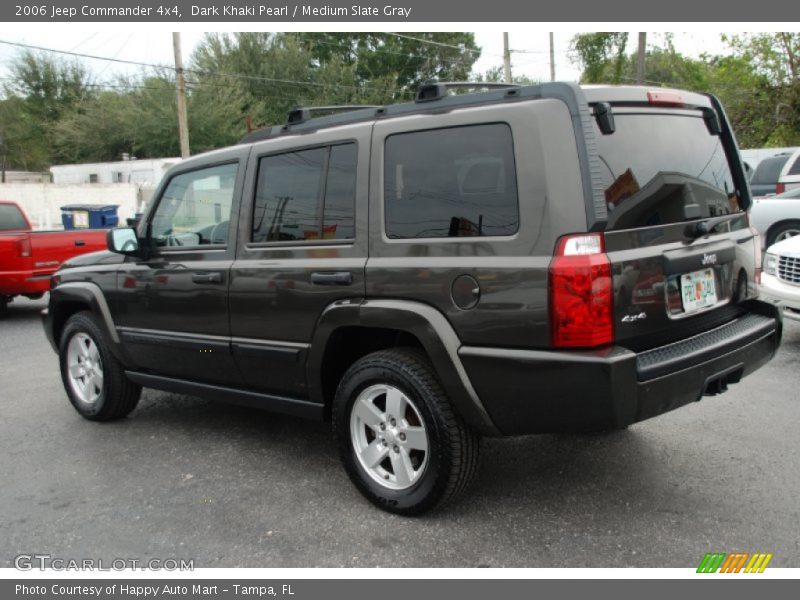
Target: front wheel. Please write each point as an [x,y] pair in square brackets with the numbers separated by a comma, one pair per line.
[93,378]
[400,440]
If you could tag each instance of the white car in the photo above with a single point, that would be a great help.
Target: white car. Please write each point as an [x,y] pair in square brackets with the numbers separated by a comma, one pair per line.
[776,217]
[780,276]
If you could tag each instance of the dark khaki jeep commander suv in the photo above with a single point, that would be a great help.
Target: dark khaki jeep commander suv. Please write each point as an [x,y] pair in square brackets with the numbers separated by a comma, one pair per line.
[513,261]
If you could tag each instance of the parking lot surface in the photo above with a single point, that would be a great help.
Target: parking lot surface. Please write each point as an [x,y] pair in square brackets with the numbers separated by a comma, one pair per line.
[233,487]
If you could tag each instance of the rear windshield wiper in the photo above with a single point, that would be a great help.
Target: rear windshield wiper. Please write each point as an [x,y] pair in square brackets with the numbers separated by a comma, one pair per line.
[700,228]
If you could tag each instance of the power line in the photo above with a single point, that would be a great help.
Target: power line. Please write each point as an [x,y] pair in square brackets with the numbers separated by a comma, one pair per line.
[82,55]
[440,44]
[208,72]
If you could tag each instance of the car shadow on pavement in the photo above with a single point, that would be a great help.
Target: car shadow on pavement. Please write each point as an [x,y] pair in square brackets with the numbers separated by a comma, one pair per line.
[540,471]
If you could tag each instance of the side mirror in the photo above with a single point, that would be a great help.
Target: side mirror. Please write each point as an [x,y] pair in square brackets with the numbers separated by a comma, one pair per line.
[123,240]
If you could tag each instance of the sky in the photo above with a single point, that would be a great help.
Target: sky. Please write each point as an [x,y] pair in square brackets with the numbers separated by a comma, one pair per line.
[529,46]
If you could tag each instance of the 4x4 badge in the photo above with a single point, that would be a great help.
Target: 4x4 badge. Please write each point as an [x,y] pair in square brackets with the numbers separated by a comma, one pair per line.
[632,318]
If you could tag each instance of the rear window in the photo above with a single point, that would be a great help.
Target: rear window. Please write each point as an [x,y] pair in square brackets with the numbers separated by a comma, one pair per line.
[768,170]
[11,218]
[656,164]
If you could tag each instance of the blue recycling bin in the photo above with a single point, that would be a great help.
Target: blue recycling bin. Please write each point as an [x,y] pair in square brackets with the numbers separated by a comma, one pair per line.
[89,216]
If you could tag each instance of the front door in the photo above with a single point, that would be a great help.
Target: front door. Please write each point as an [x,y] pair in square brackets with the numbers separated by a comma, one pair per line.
[172,310]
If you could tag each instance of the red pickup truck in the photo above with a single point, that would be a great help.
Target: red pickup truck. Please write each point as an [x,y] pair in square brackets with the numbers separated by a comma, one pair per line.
[28,258]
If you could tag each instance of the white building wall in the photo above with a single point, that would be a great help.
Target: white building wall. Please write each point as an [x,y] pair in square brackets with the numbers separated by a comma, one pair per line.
[42,202]
[139,171]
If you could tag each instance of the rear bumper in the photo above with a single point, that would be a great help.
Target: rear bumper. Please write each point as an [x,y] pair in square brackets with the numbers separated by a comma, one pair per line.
[528,391]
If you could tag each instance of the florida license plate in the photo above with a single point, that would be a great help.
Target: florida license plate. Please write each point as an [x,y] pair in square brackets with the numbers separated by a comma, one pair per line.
[698,290]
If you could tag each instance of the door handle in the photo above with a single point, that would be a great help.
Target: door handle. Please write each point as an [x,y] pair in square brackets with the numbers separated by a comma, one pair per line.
[207,277]
[335,278]
[80,243]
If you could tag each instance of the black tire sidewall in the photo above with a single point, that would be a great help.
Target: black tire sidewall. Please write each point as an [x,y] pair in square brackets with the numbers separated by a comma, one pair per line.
[84,323]
[786,226]
[433,482]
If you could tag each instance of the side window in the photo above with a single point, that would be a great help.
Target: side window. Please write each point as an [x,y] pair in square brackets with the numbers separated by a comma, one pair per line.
[795,168]
[306,195]
[457,182]
[195,209]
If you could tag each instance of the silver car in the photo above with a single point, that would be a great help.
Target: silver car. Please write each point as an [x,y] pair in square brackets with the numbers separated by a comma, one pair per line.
[776,217]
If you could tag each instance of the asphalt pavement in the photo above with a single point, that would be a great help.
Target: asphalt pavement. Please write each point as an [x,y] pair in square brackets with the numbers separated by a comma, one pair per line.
[226,486]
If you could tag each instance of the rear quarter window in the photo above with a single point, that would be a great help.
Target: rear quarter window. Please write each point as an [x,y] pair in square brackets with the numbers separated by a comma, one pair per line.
[769,170]
[454,182]
[795,168]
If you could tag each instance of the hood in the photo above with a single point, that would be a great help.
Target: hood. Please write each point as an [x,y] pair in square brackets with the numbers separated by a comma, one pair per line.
[102,257]
[790,246]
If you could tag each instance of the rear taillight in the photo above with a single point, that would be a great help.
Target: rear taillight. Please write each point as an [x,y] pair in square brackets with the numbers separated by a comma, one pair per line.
[24,247]
[581,293]
[780,188]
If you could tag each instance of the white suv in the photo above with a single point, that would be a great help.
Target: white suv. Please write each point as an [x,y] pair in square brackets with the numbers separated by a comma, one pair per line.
[780,279]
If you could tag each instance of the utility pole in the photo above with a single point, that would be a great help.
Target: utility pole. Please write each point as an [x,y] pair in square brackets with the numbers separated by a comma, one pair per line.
[640,58]
[506,58]
[3,150]
[180,84]
[552,59]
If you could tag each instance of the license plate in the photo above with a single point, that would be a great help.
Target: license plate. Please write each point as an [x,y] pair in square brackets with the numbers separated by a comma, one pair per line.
[698,290]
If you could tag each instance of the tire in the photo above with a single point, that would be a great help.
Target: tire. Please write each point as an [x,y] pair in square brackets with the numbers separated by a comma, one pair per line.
[783,231]
[99,391]
[422,456]
[3,306]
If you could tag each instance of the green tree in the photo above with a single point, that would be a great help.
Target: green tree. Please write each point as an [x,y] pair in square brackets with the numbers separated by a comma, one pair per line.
[39,90]
[601,55]
[775,63]
[411,58]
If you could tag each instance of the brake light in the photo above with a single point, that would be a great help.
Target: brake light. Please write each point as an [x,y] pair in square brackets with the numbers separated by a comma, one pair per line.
[24,247]
[581,293]
[780,188]
[665,99]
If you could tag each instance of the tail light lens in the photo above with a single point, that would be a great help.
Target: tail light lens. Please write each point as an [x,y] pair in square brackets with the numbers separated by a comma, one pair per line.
[24,247]
[581,293]
[780,188]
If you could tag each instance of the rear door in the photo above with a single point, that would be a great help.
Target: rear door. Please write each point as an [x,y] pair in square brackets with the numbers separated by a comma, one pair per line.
[667,179]
[303,246]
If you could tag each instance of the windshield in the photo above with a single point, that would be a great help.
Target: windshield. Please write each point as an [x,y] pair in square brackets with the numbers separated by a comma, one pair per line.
[11,218]
[656,165]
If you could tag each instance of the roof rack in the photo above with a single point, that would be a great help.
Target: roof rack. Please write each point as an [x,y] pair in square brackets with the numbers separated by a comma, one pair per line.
[436,90]
[301,114]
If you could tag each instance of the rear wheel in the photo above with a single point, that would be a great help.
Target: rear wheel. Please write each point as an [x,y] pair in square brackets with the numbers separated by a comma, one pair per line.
[401,443]
[3,305]
[93,378]
[783,232]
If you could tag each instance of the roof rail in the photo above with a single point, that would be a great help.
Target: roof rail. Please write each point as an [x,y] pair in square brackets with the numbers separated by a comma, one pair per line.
[436,90]
[301,114]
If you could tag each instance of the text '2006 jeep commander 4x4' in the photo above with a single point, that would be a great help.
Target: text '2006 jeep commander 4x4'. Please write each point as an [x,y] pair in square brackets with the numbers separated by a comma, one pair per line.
[518,260]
